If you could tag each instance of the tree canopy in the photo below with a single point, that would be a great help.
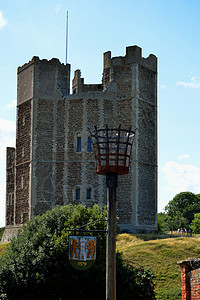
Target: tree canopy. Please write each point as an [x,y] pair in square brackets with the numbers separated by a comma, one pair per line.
[36,264]
[184,205]
[195,225]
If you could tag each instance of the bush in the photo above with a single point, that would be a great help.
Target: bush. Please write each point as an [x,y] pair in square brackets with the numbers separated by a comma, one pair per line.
[1,232]
[36,263]
[195,225]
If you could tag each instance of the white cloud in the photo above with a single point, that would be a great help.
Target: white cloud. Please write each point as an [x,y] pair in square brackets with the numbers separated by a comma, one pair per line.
[57,8]
[183,156]
[163,86]
[7,136]
[193,83]
[12,104]
[3,21]
[182,177]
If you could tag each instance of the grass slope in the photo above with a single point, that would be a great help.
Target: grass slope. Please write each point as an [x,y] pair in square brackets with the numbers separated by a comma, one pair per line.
[3,248]
[160,256]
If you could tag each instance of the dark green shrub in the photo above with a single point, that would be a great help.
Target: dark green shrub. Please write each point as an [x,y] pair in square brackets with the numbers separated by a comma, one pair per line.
[36,264]
[1,232]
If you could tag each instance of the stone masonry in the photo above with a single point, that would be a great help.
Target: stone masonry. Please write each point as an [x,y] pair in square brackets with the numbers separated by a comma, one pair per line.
[53,163]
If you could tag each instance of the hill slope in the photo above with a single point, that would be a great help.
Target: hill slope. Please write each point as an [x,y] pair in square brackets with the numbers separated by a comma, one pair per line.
[160,256]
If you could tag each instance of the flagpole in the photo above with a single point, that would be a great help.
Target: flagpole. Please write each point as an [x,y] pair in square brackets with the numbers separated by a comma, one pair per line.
[66,37]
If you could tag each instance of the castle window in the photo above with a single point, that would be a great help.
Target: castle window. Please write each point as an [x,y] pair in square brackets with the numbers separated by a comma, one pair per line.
[78,194]
[22,182]
[23,218]
[89,194]
[23,152]
[23,120]
[78,148]
[10,199]
[89,145]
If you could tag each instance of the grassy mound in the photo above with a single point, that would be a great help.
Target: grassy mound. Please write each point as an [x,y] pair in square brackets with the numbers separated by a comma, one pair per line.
[160,255]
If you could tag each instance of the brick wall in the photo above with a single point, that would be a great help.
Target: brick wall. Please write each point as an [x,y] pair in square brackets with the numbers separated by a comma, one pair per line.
[190,279]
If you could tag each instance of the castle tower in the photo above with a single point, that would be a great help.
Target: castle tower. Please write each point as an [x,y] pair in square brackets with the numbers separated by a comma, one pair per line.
[53,163]
[129,98]
[40,85]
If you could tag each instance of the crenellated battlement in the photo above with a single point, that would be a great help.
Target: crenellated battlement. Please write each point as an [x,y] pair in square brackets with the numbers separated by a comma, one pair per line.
[42,78]
[79,86]
[37,60]
[133,55]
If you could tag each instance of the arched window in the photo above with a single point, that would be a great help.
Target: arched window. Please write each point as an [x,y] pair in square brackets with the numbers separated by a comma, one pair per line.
[78,144]
[22,152]
[89,144]
[22,182]
[89,193]
[78,194]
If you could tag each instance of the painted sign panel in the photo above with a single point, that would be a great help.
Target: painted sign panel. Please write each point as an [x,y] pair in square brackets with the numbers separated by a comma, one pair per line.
[82,251]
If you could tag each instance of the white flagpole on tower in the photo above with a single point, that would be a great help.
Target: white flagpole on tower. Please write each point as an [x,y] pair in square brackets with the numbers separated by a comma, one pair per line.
[66,37]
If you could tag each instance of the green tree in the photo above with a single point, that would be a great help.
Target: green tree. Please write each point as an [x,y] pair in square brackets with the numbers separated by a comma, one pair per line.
[175,222]
[195,225]
[36,264]
[183,207]
[162,219]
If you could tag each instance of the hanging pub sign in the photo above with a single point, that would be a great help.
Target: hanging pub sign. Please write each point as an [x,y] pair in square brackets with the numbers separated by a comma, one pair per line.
[82,251]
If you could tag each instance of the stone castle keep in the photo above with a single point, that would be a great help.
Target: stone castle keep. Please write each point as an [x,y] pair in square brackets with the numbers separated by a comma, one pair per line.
[53,163]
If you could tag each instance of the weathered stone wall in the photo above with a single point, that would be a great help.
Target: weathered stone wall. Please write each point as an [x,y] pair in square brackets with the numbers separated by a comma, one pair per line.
[23,146]
[49,125]
[25,82]
[134,80]
[10,188]
[10,232]
[23,137]
[147,148]
[22,193]
[52,168]
[79,86]
[44,192]
[60,152]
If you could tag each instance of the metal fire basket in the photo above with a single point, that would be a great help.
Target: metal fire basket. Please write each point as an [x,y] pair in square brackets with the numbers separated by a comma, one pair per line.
[112,149]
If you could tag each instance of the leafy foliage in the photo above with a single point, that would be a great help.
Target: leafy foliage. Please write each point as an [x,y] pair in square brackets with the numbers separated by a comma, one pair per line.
[1,232]
[181,209]
[162,219]
[36,263]
[195,225]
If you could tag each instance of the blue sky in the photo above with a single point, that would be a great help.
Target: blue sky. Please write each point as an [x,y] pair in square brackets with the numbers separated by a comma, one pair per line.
[168,29]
